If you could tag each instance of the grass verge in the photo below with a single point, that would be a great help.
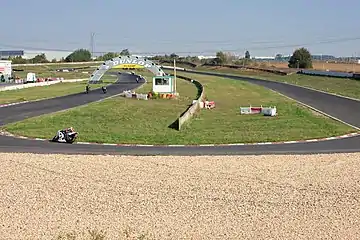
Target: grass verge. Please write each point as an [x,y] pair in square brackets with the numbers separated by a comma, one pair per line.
[342,86]
[121,120]
[50,91]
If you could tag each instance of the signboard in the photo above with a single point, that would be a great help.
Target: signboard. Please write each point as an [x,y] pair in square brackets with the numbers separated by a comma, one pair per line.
[130,63]
[129,66]
[125,62]
[163,84]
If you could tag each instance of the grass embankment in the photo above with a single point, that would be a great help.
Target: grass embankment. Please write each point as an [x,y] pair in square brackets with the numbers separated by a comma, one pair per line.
[342,86]
[50,91]
[44,71]
[121,120]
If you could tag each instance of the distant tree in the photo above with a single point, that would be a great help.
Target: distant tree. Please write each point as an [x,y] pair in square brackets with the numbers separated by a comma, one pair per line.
[41,58]
[194,59]
[80,55]
[247,55]
[54,60]
[107,56]
[221,58]
[18,60]
[125,52]
[173,56]
[301,58]
[278,56]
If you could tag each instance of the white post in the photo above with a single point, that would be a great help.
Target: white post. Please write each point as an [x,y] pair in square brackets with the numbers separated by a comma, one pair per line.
[174,76]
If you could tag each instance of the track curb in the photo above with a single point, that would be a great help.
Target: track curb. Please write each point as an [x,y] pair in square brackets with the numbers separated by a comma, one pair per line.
[15,103]
[349,135]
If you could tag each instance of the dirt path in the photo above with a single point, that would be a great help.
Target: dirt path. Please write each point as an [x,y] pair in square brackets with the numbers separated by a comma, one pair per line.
[245,197]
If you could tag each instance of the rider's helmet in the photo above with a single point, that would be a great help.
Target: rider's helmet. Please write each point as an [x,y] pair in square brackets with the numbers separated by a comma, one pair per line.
[70,129]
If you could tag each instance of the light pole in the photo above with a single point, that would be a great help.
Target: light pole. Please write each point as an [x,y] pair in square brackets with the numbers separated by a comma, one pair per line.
[92,43]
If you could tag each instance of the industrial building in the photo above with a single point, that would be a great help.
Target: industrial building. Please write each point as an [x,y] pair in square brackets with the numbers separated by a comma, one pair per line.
[6,54]
[28,54]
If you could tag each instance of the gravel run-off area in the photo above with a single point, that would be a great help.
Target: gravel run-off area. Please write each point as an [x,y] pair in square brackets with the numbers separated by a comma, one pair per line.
[203,197]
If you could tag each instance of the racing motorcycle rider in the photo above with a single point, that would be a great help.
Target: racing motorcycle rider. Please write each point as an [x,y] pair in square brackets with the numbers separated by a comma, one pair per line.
[69,130]
[103,88]
[63,134]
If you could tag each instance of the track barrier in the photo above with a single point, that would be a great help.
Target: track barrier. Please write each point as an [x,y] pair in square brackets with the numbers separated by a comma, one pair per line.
[130,94]
[195,106]
[37,84]
[266,111]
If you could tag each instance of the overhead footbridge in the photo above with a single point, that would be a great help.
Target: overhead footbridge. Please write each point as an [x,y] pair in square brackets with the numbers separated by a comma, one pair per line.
[125,62]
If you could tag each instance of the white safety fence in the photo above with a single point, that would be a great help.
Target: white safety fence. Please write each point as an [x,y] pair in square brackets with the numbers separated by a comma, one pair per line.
[63,63]
[38,84]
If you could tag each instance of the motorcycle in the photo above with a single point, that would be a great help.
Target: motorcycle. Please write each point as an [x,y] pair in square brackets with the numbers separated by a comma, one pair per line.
[104,89]
[65,136]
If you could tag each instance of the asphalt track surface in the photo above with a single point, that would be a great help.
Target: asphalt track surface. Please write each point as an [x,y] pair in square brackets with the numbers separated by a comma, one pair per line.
[344,109]
[337,106]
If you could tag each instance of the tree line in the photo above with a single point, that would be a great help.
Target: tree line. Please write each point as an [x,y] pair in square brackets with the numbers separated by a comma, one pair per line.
[79,55]
[301,58]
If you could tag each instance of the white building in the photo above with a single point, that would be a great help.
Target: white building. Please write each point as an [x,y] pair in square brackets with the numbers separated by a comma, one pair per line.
[28,54]
[263,58]
[206,57]
[5,68]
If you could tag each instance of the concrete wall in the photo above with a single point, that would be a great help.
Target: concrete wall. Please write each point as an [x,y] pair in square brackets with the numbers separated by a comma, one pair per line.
[194,108]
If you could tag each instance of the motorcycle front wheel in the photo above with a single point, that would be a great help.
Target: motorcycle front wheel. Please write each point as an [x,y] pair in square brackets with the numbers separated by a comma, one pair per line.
[70,139]
[55,139]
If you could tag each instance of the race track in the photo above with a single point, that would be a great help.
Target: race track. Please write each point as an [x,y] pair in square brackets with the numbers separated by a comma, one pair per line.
[338,107]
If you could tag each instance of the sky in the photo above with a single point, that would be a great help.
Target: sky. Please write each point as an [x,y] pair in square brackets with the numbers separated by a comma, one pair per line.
[263,27]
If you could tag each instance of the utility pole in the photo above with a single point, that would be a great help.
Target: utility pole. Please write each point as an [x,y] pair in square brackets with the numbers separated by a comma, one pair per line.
[92,43]
[354,61]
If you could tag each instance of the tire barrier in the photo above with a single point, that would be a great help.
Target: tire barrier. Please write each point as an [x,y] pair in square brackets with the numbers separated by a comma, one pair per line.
[266,111]
[131,94]
[195,106]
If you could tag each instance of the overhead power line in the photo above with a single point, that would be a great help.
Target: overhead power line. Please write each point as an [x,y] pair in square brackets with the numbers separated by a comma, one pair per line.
[192,42]
[202,51]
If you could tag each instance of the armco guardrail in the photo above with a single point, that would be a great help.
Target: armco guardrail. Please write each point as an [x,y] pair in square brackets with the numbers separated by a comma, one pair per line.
[189,113]
[274,71]
[38,84]
[62,63]
[270,70]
